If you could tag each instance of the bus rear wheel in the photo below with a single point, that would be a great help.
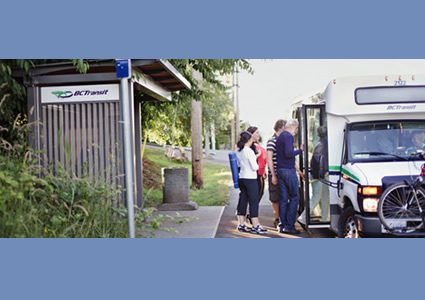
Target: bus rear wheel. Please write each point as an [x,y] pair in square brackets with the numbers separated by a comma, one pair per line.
[347,224]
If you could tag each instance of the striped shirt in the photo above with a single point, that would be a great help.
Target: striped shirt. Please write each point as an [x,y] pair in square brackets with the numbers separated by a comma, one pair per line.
[271,146]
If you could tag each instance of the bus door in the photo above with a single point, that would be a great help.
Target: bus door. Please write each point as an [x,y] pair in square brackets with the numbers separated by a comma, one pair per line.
[298,140]
[316,193]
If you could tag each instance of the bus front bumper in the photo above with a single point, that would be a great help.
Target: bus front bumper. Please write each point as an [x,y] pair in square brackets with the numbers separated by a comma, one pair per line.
[372,227]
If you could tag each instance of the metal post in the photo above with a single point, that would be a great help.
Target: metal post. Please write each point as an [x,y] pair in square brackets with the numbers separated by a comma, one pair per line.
[127,154]
[232,126]
[238,125]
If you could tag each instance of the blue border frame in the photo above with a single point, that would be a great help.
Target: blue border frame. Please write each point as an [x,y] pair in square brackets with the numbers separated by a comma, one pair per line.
[222,268]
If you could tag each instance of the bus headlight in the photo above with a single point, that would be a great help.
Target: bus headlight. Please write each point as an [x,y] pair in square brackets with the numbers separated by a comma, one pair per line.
[369,190]
[370,204]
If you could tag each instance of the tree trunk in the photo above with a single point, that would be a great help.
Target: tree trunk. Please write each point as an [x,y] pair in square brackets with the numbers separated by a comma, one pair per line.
[197,170]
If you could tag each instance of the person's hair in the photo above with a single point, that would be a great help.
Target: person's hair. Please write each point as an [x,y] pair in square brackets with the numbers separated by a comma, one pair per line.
[252,129]
[322,131]
[245,137]
[290,123]
[279,125]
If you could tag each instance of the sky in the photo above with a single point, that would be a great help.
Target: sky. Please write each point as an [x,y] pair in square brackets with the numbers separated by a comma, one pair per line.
[266,96]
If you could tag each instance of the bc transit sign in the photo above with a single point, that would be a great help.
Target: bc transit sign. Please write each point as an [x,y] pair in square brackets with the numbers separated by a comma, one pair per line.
[83,93]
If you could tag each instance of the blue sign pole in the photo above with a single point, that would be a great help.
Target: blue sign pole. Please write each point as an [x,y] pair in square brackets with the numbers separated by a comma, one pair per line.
[123,68]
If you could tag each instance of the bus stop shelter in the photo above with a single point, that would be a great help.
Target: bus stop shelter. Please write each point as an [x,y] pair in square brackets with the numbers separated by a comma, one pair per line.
[77,121]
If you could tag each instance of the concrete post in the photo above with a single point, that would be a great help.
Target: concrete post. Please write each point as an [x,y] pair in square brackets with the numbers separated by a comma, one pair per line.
[176,190]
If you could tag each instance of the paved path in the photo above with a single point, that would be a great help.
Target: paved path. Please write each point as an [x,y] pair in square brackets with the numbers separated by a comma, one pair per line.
[220,157]
[228,222]
[221,221]
[200,223]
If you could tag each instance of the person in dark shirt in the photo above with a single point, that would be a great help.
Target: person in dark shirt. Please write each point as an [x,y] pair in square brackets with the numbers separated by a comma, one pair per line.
[288,179]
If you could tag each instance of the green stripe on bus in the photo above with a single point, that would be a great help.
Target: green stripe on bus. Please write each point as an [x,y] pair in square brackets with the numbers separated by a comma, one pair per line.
[334,168]
[338,168]
[350,174]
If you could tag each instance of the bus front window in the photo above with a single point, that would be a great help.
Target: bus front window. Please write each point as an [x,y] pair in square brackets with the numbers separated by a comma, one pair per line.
[383,141]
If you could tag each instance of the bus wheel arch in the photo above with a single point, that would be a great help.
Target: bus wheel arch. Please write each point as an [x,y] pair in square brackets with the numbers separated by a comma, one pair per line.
[347,227]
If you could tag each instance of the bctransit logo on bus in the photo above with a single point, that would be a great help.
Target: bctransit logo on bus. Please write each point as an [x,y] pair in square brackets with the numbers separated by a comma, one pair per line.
[68,94]
[401,107]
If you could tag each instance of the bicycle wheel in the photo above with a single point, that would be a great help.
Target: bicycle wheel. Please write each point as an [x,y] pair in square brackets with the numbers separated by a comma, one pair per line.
[398,209]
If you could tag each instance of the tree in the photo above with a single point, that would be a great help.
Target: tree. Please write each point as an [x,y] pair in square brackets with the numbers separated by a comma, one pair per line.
[216,105]
[13,95]
[158,118]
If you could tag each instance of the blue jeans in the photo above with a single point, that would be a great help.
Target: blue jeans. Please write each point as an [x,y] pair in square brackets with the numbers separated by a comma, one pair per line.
[249,192]
[288,198]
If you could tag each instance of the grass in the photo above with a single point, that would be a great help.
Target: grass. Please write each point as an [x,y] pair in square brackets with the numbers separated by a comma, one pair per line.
[61,205]
[217,180]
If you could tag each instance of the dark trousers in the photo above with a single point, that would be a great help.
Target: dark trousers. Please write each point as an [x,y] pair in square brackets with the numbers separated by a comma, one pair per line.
[248,194]
[260,180]
[288,198]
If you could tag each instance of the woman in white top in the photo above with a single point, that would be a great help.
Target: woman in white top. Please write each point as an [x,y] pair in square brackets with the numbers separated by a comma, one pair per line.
[248,185]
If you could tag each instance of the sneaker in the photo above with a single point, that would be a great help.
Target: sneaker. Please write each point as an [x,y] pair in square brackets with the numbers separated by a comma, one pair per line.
[291,231]
[276,223]
[258,229]
[263,229]
[243,228]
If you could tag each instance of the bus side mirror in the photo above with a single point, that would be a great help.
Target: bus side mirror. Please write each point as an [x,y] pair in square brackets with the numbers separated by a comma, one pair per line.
[322,167]
[318,168]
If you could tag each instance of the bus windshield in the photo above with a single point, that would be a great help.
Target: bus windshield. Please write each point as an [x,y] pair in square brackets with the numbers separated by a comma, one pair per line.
[385,141]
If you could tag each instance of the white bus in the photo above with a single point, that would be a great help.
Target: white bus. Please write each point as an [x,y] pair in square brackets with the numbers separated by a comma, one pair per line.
[373,127]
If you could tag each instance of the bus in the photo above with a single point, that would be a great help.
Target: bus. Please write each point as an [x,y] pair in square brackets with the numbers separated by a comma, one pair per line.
[374,125]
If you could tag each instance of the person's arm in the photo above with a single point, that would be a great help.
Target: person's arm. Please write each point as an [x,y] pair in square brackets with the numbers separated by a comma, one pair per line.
[288,148]
[258,154]
[257,151]
[252,161]
[301,174]
[270,164]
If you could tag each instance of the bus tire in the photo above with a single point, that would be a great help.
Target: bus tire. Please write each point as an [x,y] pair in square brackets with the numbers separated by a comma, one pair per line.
[347,224]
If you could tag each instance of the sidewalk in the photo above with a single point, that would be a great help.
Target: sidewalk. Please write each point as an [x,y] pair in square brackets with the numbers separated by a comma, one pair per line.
[221,222]
[228,222]
[203,223]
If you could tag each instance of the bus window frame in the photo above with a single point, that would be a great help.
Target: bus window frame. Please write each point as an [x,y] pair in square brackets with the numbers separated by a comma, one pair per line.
[347,142]
[388,87]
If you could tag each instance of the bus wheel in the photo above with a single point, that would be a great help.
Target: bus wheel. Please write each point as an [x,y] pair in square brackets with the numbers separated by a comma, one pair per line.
[347,224]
